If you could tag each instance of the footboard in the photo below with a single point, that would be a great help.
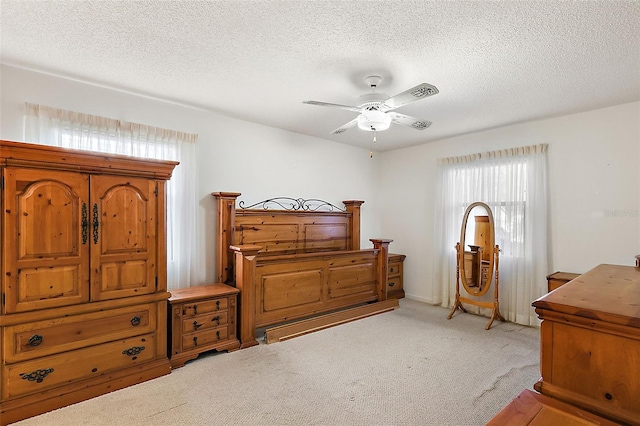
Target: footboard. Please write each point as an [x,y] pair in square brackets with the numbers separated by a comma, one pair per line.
[275,289]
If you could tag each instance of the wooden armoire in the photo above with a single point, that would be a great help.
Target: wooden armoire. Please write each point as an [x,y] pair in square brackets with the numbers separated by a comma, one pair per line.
[83,275]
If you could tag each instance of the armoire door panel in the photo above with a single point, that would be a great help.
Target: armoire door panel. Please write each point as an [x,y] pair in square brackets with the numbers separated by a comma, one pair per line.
[124,229]
[45,233]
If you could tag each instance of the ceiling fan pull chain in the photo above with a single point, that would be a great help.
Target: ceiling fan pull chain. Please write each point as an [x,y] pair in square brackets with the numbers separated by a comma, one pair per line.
[374,141]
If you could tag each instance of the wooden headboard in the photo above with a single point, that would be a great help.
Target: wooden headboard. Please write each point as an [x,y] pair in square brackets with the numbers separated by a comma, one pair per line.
[283,226]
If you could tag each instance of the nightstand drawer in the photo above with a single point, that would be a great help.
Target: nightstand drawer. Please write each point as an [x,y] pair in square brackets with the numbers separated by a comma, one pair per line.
[394,269]
[205,322]
[203,307]
[204,338]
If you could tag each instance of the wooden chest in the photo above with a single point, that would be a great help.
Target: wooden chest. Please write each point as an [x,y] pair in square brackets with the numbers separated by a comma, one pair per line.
[590,342]
[395,273]
[201,319]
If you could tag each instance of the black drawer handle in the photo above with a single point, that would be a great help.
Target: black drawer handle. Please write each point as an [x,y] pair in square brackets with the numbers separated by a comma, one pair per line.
[217,304]
[391,284]
[217,319]
[133,351]
[135,321]
[195,341]
[195,309]
[36,376]
[196,325]
[35,340]
[218,335]
[391,270]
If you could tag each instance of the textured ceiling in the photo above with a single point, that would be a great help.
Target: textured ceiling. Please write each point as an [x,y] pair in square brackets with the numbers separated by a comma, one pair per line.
[495,63]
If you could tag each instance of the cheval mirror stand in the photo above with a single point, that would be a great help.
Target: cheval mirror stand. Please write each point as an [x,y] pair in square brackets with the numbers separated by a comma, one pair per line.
[475,267]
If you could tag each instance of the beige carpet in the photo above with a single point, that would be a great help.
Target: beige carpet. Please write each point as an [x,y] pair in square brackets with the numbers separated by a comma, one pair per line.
[406,367]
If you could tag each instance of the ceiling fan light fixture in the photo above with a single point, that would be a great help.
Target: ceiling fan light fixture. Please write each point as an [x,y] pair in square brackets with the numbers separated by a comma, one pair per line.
[374,120]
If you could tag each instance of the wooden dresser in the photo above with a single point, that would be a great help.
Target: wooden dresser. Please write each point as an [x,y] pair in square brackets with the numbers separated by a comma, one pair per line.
[395,273]
[83,276]
[590,343]
[533,409]
[201,319]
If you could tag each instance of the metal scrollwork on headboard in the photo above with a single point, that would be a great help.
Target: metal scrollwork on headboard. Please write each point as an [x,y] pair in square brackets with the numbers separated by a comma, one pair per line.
[294,204]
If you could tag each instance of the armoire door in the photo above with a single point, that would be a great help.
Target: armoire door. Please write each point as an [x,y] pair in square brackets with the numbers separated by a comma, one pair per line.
[46,239]
[123,236]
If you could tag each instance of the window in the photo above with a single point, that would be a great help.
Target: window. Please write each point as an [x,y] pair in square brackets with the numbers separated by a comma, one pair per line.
[513,183]
[68,129]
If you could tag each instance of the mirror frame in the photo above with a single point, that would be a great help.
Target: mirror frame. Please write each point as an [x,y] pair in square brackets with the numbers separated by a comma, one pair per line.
[481,289]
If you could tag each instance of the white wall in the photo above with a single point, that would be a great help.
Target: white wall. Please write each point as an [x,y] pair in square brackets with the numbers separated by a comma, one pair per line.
[594,160]
[233,155]
[594,179]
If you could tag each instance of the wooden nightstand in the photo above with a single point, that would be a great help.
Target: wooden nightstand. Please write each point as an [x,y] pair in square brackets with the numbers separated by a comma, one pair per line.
[557,279]
[201,319]
[394,283]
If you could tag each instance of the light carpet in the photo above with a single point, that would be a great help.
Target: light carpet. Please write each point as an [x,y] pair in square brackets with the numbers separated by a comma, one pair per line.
[410,366]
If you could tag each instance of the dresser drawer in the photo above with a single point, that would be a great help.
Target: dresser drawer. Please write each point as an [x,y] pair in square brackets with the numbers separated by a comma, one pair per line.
[203,307]
[204,338]
[205,322]
[31,340]
[37,375]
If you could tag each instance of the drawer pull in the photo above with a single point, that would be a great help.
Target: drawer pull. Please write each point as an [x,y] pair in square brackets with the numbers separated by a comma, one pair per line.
[195,309]
[35,340]
[391,284]
[216,318]
[218,335]
[135,321]
[392,270]
[36,376]
[195,341]
[217,304]
[196,325]
[133,351]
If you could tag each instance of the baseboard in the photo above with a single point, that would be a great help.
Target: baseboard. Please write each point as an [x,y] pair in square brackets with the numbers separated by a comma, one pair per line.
[421,299]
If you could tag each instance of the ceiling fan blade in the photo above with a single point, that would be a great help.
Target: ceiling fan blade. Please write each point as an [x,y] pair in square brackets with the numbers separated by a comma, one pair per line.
[347,107]
[419,92]
[405,120]
[345,127]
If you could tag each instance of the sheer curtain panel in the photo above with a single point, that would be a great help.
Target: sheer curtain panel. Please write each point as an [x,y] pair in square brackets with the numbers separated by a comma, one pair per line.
[68,129]
[513,182]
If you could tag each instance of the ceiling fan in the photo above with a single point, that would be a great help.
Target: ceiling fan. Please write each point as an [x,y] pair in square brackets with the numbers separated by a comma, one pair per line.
[376,109]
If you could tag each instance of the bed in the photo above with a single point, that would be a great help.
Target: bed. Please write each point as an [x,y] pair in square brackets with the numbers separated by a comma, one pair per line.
[294,259]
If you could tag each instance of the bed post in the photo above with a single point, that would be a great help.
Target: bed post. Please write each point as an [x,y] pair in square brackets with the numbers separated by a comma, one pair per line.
[353,207]
[226,213]
[382,245]
[245,275]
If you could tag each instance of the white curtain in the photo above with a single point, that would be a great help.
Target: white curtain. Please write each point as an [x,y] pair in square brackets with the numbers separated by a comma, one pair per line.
[68,129]
[513,183]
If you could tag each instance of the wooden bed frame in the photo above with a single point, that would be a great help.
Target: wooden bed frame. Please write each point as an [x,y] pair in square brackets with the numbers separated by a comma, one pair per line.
[296,261]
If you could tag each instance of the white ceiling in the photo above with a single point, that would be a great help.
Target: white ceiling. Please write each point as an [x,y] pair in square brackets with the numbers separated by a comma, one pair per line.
[494,62]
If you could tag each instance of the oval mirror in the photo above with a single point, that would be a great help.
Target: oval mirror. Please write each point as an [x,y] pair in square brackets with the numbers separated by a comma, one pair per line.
[477,249]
